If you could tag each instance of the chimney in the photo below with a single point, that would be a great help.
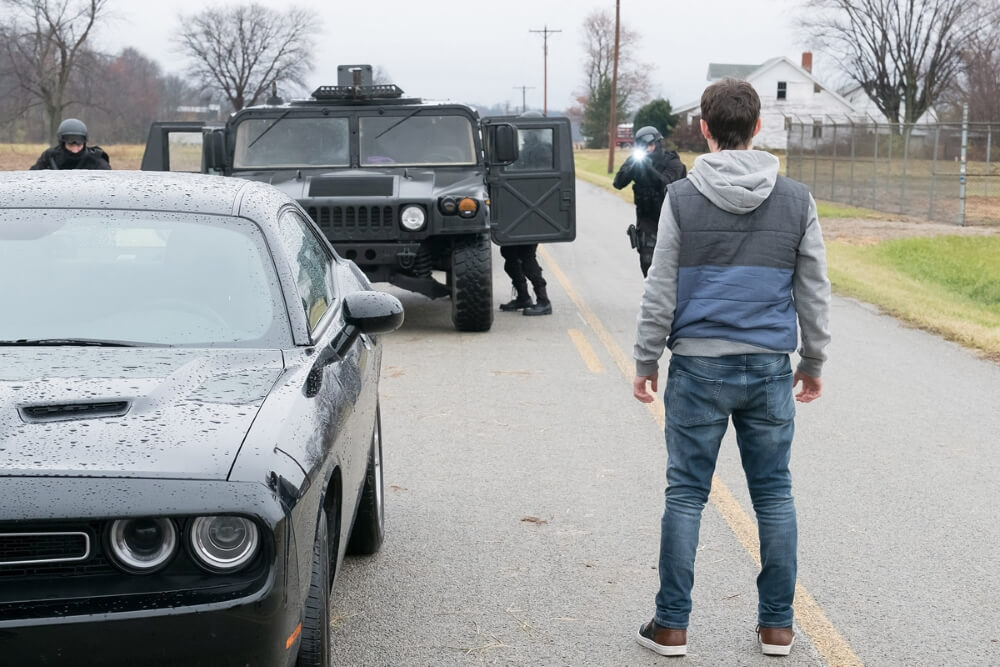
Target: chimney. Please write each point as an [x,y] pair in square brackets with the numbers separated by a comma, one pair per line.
[807,61]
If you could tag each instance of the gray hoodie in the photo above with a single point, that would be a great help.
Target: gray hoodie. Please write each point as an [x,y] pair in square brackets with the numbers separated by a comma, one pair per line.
[736,181]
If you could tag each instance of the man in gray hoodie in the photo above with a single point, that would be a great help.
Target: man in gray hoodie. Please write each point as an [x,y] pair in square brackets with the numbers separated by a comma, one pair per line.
[739,269]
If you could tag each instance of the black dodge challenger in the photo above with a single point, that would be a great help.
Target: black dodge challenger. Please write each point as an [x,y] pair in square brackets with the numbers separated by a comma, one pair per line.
[189,421]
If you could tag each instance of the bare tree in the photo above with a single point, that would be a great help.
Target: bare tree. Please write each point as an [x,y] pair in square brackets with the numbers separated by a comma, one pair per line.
[903,53]
[244,50]
[599,48]
[633,88]
[44,41]
[979,83]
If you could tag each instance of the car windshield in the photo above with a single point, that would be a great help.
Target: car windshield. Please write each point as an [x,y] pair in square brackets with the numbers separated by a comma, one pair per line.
[137,278]
[422,138]
[292,142]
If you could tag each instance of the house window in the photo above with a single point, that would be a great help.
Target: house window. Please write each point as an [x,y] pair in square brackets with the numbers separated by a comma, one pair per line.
[817,129]
[782,90]
[788,123]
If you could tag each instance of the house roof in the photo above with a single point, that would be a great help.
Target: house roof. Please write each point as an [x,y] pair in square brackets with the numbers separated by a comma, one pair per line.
[721,71]
[750,72]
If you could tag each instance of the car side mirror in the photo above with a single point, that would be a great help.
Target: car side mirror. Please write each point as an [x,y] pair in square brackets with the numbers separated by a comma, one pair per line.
[368,312]
[502,142]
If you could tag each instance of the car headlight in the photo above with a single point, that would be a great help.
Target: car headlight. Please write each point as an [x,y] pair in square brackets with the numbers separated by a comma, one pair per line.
[413,218]
[142,545]
[223,543]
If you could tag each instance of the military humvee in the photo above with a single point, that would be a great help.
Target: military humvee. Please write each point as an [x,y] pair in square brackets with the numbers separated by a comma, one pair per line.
[403,187]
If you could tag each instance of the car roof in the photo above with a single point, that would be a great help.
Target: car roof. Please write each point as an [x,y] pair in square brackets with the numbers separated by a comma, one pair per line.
[129,190]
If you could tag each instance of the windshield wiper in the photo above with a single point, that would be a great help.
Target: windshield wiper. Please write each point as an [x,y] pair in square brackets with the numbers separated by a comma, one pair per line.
[268,128]
[67,342]
[401,120]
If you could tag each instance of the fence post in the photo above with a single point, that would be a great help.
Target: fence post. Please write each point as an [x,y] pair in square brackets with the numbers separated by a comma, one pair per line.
[937,139]
[906,158]
[989,142]
[833,166]
[961,169]
[854,136]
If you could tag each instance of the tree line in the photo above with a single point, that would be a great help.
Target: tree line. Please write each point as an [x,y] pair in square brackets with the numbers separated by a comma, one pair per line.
[50,67]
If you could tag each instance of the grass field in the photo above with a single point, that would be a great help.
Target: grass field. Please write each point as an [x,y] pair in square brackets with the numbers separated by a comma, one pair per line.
[22,156]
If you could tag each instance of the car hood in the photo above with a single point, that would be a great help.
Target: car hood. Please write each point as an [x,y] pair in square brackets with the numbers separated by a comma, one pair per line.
[129,412]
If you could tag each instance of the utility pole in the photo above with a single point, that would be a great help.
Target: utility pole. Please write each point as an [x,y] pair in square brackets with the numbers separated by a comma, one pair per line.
[545,50]
[523,101]
[613,124]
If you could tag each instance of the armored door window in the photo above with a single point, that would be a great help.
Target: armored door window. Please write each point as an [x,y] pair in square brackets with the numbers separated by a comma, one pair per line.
[534,150]
[311,266]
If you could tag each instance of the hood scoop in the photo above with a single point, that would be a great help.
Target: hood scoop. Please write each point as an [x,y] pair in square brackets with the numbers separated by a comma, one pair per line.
[58,412]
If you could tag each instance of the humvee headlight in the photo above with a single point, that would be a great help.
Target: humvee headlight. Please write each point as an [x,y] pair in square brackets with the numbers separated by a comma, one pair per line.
[467,207]
[413,218]
[448,205]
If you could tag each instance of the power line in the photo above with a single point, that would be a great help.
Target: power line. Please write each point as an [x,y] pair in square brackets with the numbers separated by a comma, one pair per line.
[545,32]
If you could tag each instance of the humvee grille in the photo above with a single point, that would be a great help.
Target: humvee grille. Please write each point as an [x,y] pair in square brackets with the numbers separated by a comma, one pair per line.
[373,219]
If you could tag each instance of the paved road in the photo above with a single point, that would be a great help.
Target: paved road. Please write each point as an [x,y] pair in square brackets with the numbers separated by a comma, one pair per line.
[524,489]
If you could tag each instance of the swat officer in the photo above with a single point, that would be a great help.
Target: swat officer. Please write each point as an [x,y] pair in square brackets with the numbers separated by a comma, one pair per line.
[650,169]
[72,152]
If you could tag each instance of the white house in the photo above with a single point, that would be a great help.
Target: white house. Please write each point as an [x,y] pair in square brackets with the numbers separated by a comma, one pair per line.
[789,93]
[866,107]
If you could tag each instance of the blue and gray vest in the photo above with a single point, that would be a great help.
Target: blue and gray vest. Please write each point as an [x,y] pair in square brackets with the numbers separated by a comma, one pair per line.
[735,271]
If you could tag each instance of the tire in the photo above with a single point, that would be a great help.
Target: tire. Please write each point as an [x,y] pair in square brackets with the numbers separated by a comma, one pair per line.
[368,531]
[314,649]
[472,284]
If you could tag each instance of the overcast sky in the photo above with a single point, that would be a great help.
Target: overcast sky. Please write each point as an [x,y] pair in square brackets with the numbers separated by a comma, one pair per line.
[444,50]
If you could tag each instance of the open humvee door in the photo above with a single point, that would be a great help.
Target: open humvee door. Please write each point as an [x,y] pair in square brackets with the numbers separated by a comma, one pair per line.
[533,198]
[189,146]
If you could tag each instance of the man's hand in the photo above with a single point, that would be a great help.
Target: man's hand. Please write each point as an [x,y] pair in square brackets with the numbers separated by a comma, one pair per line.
[812,387]
[639,387]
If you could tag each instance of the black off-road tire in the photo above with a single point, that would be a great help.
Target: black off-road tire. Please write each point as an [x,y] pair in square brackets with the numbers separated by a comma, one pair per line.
[472,284]
[368,531]
[314,649]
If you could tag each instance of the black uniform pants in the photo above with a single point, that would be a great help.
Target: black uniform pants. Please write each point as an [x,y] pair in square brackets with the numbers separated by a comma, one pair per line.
[521,265]
[647,241]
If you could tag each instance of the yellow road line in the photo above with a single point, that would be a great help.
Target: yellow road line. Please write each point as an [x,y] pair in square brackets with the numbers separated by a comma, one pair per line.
[586,351]
[825,637]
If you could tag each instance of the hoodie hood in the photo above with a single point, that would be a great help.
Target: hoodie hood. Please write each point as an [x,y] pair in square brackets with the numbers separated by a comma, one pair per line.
[736,181]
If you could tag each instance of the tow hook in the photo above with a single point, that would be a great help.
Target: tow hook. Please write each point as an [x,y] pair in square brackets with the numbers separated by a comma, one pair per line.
[406,258]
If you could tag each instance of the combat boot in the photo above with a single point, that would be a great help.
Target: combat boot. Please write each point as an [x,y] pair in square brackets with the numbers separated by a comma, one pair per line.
[520,301]
[542,306]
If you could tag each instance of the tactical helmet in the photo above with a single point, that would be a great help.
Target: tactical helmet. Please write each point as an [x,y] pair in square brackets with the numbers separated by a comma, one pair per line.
[647,135]
[71,127]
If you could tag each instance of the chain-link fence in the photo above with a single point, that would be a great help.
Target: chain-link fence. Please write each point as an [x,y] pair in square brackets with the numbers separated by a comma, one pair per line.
[913,170]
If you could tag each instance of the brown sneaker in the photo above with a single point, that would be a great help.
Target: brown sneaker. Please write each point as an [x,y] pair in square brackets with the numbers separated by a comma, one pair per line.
[775,641]
[665,641]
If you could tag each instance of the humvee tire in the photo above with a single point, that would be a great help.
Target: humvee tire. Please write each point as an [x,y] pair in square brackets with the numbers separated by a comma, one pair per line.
[472,284]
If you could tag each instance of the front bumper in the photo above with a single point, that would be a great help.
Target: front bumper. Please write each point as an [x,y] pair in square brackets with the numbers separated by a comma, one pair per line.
[90,613]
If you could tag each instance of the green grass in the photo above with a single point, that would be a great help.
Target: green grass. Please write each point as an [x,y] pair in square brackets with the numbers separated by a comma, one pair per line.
[949,285]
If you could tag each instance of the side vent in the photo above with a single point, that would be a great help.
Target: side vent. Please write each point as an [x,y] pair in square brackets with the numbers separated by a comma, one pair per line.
[69,411]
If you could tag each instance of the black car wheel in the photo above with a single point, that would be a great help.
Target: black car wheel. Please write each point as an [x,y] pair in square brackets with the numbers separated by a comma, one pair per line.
[368,531]
[314,651]
[472,284]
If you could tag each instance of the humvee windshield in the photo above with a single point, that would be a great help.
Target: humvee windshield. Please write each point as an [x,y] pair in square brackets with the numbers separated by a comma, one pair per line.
[421,139]
[292,142]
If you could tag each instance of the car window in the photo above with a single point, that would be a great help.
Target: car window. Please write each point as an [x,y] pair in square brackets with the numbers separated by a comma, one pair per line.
[311,265]
[292,142]
[141,277]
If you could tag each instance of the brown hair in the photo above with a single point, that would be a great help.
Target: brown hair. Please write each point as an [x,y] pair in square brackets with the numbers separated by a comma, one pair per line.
[731,108]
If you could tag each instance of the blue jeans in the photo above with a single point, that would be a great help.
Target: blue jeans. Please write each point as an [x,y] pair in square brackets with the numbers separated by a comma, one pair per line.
[702,393]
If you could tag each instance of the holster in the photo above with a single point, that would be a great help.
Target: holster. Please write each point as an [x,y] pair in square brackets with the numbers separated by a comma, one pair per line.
[633,236]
